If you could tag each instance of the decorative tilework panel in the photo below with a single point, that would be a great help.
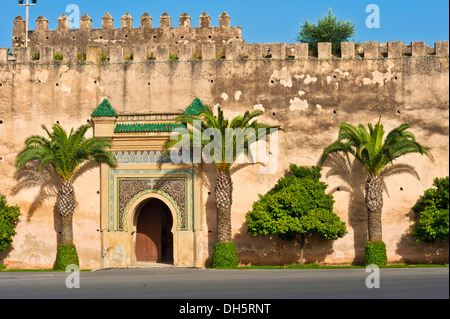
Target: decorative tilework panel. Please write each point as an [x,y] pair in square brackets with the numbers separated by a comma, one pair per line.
[128,188]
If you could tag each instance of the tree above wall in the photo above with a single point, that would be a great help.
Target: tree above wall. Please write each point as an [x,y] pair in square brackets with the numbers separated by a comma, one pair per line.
[327,29]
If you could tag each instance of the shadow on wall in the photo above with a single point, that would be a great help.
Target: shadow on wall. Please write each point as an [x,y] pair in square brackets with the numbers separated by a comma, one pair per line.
[270,250]
[47,181]
[353,175]
[208,175]
[413,252]
[4,254]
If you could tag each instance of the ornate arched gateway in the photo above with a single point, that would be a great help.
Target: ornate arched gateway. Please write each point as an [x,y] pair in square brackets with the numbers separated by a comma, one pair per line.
[144,175]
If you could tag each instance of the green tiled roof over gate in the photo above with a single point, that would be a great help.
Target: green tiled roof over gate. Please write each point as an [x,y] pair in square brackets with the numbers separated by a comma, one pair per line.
[104,110]
[148,128]
[195,108]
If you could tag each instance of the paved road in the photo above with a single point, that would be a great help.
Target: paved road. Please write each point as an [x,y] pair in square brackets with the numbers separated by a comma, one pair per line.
[182,283]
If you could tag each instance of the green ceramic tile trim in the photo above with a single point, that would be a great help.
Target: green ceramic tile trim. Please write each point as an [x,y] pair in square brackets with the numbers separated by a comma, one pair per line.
[104,110]
[195,108]
[148,128]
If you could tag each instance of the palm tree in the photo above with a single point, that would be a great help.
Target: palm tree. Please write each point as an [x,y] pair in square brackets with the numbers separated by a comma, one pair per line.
[374,154]
[66,154]
[246,129]
[353,176]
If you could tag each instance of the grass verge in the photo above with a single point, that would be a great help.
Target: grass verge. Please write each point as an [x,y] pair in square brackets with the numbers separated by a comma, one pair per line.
[317,266]
[37,270]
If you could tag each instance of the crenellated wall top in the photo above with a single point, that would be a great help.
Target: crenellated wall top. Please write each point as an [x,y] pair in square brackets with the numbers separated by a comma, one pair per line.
[183,43]
[125,34]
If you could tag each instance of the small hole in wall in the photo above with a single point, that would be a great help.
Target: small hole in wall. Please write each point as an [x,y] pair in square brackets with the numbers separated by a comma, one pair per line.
[88,120]
[212,81]
[95,82]
[401,189]
[57,84]
[154,37]
[273,113]
[46,38]
[1,158]
[57,122]
[1,84]
[395,78]
[209,231]
[338,189]
[148,83]
[126,36]
[334,76]
[398,111]
[334,112]
[209,193]
[1,122]
[98,192]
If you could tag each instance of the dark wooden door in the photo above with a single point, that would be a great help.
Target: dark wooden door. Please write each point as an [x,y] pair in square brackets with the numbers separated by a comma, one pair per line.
[148,235]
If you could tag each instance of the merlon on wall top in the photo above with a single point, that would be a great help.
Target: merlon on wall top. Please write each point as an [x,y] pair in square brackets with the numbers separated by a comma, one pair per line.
[125,36]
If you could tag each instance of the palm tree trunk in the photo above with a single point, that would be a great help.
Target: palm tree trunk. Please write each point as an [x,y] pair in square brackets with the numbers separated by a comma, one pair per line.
[374,205]
[66,230]
[224,192]
[301,244]
[66,207]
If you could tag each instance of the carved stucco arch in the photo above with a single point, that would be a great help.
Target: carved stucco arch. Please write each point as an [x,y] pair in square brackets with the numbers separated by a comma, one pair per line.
[131,207]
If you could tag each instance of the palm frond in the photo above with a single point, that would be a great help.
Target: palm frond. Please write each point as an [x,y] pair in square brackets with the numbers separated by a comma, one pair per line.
[370,149]
[64,152]
[335,147]
[237,135]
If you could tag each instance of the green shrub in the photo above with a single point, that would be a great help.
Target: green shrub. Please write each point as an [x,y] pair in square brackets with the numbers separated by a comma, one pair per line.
[224,256]
[66,255]
[58,56]
[375,253]
[296,208]
[104,56]
[173,56]
[9,216]
[433,212]
[36,56]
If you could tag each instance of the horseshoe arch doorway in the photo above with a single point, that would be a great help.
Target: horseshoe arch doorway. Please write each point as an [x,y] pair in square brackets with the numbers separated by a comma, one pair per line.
[154,232]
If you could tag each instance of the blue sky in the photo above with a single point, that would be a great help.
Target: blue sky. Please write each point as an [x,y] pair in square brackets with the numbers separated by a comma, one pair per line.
[261,21]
